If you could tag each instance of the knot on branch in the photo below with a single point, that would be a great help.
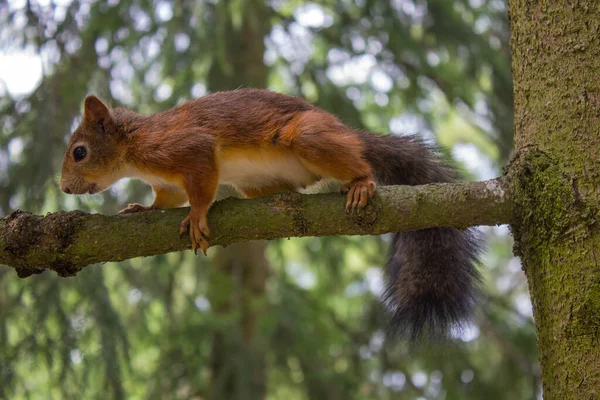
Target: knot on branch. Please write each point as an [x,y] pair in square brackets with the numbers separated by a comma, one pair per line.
[27,233]
[290,202]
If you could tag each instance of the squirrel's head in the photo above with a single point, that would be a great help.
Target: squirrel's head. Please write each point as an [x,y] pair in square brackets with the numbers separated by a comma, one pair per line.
[95,152]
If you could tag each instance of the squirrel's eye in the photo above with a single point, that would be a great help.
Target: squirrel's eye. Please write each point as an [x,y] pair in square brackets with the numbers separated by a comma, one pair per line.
[79,153]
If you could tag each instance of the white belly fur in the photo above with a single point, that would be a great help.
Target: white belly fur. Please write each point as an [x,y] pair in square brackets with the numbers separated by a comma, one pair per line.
[245,172]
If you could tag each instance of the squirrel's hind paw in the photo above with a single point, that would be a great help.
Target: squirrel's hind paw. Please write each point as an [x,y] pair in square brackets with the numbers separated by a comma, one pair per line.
[359,193]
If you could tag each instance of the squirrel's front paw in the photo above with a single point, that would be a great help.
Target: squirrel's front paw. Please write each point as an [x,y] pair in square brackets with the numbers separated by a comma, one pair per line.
[198,229]
[134,208]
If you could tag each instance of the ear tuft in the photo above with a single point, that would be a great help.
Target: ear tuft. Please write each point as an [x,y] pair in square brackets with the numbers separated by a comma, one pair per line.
[94,110]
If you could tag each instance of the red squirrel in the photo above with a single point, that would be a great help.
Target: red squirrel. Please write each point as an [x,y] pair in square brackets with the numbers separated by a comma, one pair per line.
[263,142]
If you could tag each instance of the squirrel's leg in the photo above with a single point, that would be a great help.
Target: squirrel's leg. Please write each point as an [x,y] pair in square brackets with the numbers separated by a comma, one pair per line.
[200,188]
[164,197]
[330,149]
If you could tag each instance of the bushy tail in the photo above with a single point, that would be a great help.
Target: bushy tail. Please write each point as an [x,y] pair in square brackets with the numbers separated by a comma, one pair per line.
[431,273]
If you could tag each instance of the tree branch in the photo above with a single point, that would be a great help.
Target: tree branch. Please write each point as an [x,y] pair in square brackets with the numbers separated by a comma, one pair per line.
[68,241]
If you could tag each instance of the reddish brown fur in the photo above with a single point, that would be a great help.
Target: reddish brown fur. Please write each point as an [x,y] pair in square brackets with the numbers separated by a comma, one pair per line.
[180,151]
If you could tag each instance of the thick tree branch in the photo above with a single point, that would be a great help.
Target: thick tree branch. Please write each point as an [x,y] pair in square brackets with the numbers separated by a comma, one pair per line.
[68,241]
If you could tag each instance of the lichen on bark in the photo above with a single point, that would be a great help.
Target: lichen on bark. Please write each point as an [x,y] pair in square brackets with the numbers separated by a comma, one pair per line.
[555,180]
[542,218]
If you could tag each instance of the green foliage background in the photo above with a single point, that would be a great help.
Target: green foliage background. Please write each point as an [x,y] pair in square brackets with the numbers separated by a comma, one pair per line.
[308,324]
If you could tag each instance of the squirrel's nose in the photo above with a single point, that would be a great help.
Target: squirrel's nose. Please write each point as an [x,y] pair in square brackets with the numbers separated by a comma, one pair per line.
[64,187]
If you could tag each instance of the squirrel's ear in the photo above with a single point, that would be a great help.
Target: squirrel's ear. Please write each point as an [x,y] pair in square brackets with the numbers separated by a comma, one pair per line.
[94,110]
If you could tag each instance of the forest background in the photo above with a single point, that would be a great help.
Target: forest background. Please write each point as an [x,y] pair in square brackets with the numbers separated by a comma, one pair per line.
[285,319]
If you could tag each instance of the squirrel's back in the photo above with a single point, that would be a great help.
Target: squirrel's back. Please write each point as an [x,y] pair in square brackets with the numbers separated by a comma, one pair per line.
[242,116]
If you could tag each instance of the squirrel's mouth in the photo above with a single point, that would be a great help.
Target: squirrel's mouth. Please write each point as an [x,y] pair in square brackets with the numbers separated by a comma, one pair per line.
[79,186]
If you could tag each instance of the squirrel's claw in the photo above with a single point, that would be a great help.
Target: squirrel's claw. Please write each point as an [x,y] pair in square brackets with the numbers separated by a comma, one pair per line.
[198,230]
[184,227]
[359,192]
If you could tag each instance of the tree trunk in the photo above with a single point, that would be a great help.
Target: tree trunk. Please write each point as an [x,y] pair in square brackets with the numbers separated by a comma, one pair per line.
[238,363]
[556,53]
[237,289]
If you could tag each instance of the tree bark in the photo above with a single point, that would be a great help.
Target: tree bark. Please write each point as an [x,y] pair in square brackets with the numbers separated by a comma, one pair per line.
[68,241]
[555,183]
